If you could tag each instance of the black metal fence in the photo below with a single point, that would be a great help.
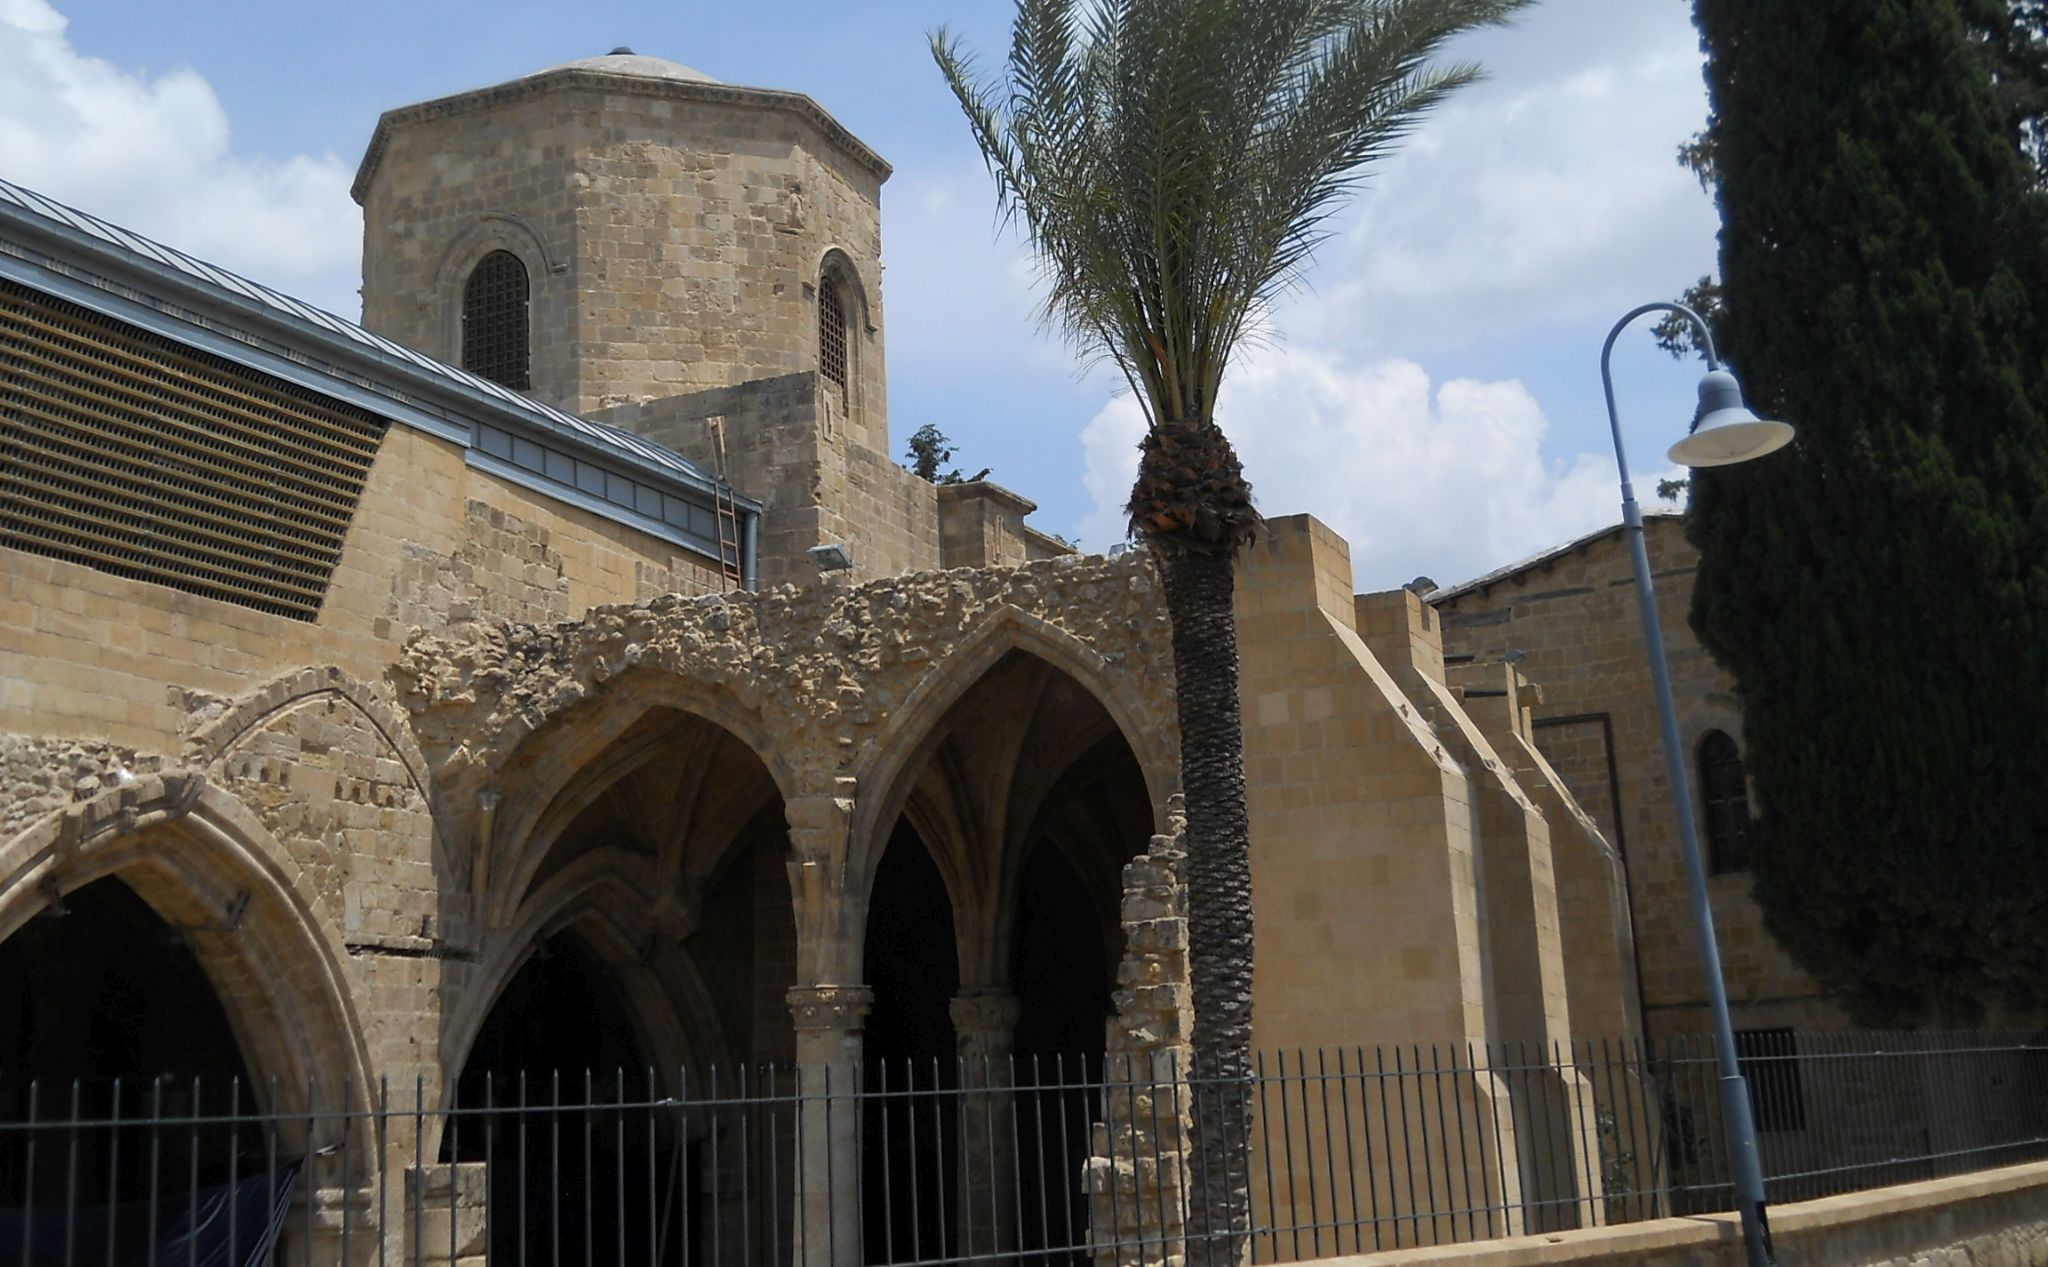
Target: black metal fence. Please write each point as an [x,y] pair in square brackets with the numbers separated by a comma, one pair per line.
[1353,1150]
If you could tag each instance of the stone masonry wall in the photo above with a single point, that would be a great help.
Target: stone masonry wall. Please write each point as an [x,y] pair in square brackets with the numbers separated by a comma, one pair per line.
[982,525]
[1363,821]
[86,657]
[1575,618]
[673,231]
[815,486]
[1991,1219]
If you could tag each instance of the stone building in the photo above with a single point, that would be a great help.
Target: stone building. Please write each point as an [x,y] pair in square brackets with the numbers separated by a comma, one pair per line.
[1568,618]
[1571,615]
[555,672]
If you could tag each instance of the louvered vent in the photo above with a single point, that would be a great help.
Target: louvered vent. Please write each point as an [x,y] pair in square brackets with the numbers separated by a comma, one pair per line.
[137,456]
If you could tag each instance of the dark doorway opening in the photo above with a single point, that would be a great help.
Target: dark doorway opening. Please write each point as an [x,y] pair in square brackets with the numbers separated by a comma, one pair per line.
[108,1018]
[1060,972]
[573,1176]
[911,1129]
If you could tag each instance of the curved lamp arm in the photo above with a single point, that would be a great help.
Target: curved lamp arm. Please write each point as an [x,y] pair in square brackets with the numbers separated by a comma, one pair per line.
[1699,325]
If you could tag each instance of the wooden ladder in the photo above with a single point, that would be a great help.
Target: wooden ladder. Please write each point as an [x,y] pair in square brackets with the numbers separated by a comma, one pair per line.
[731,564]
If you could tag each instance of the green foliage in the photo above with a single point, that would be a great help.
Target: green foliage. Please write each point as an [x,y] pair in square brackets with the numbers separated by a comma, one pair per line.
[1680,337]
[1175,160]
[2011,38]
[1880,589]
[929,450]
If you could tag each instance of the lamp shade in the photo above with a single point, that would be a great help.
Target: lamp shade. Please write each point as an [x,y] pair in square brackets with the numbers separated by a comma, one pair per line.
[1727,432]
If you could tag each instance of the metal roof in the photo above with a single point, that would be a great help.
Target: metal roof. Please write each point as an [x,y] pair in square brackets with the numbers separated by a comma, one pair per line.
[324,341]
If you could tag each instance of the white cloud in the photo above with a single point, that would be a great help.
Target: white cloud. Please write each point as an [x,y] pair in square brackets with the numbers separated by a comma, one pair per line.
[1548,197]
[1539,197]
[156,156]
[1445,480]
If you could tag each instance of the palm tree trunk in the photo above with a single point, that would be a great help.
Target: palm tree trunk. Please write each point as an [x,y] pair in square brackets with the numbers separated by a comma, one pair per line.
[1199,600]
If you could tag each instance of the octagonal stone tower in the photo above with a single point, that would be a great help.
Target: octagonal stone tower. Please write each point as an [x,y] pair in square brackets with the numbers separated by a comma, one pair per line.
[675,234]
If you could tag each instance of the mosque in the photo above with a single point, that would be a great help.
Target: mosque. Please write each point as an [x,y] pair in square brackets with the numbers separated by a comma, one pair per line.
[555,671]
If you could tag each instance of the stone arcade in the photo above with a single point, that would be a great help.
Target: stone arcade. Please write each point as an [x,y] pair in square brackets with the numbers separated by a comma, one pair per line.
[403,725]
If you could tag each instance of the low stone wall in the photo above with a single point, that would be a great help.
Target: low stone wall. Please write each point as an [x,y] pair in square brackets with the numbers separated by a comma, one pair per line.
[1995,1218]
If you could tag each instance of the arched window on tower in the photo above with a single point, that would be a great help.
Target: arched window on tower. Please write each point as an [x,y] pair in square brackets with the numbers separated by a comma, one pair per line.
[832,335]
[1724,790]
[495,321]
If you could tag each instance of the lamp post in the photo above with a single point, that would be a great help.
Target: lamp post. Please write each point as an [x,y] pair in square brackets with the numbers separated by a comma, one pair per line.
[1724,433]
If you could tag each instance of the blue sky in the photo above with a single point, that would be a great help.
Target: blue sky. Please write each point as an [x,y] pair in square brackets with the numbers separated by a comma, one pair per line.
[1432,390]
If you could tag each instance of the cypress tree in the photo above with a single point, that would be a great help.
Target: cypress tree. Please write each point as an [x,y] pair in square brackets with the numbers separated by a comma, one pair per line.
[1880,589]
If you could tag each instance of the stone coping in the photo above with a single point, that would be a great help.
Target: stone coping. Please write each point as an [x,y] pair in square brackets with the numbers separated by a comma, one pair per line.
[986,490]
[1703,1234]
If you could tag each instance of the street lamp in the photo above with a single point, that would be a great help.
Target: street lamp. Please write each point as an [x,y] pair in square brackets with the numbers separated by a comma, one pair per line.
[1723,433]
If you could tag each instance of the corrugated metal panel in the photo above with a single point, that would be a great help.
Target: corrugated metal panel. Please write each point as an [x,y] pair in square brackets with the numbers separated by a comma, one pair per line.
[135,455]
[493,396]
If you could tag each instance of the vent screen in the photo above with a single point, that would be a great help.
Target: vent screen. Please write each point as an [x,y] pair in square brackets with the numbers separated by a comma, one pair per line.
[137,456]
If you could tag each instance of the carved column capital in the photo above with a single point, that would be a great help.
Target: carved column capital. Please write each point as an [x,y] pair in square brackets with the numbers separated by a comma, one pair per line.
[819,1009]
[985,1011]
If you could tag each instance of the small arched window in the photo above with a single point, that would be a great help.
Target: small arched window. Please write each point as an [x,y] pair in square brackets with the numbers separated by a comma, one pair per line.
[495,321]
[832,334]
[1724,790]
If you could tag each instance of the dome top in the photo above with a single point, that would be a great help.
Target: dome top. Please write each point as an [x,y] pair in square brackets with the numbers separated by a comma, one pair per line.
[624,61]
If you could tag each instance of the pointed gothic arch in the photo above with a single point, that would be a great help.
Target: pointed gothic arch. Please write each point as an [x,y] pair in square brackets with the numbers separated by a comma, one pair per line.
[603,898]
[547,777]
[210,869]
[1145,721]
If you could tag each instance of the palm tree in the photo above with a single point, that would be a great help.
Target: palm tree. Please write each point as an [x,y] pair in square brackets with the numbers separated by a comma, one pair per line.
[1174,163]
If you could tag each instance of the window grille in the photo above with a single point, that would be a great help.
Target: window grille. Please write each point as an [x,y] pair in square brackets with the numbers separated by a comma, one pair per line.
[1724,789]
[832,335]
[139,457]
[495,321]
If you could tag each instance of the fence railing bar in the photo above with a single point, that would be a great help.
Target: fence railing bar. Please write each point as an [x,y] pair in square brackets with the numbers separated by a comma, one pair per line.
[1578,1089]
[524,1214]
[1350,1155]
[1614,1131]
[714,1128]
[1038,1153]
[453,1148]
[654,1245]
[416,1188]
[939,1137]
[1158,1163]
[1453,1166]
[681,1190]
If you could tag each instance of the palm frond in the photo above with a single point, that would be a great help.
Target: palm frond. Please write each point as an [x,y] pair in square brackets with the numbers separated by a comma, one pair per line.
[1176,162]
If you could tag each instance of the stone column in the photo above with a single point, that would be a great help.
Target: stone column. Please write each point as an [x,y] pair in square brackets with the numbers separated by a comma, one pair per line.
[828,1044]
[985,1025]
